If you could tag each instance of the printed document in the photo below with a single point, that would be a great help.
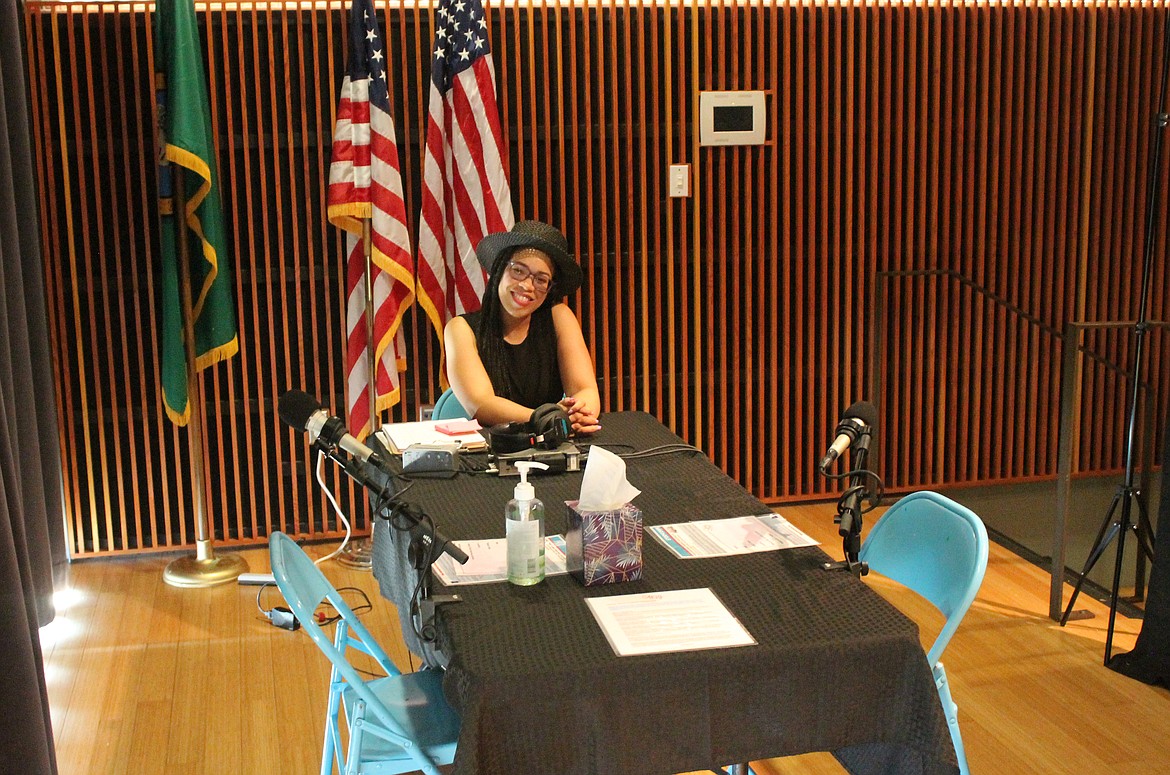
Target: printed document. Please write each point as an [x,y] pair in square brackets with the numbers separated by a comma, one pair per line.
[658,622]
[733,535]
[487,561]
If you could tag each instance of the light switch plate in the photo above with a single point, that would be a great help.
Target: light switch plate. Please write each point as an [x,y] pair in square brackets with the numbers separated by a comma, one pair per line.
[680,180]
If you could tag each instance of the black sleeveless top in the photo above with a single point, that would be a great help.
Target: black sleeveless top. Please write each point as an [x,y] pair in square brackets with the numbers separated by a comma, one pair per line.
[523,365]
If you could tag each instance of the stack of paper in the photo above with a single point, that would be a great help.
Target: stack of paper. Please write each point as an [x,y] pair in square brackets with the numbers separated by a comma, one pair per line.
[733,535]
[400,435]
[659,622]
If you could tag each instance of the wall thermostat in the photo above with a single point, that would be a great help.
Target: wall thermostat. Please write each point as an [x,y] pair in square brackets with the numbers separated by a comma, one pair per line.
[732,118]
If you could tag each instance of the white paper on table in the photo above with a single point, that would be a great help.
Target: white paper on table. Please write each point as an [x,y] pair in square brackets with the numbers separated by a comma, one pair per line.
[487,561]
[732,535]
[660,622]
[398,436]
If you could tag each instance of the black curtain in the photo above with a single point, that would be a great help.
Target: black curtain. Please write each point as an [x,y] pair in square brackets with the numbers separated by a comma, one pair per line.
[31,539]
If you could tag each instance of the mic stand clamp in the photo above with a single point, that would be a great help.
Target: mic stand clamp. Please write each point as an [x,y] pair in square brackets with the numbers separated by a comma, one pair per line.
[848,516]
[422,553]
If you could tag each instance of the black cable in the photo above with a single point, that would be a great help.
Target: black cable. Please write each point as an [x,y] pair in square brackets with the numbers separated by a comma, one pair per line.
[425,541]
[424,631]
[385,496]
[406,518]
[875,497]
[662,449]
[469,466]
[265,612]
[584,447]
[358,610]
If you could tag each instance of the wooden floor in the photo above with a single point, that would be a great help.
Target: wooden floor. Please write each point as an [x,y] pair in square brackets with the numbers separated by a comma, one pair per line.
[148,678]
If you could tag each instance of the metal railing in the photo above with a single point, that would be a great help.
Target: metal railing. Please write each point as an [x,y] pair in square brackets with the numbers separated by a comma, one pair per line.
[1071,426]
[1070,406]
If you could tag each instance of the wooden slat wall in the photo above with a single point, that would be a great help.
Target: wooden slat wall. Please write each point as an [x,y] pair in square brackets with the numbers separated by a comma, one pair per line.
[1002,146]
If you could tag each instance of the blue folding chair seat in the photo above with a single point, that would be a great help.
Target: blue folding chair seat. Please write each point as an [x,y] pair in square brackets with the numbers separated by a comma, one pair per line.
[937,548]
[449,408]
[397,723]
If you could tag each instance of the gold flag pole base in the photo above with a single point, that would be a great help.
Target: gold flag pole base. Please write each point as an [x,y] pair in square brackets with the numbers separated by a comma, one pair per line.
[358,554]
[205,569]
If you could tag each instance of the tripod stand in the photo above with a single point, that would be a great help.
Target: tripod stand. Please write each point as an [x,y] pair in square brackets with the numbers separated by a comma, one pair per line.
[1118,523]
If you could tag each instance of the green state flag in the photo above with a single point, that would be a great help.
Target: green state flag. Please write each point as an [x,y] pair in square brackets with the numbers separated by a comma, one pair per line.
[188,156]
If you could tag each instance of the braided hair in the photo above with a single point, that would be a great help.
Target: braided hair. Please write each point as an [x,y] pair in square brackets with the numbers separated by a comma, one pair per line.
[489,338]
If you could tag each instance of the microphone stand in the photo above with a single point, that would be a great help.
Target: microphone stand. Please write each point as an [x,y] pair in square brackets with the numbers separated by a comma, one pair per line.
[426,542]
[399,511]
[848,516]
[1127,494]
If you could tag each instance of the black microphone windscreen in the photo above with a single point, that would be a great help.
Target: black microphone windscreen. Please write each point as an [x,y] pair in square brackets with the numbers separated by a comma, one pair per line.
[864,411]
[296,407]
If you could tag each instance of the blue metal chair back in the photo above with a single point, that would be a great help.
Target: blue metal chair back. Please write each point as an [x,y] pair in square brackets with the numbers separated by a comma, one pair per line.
[449,408]
[397,723]
[938,548]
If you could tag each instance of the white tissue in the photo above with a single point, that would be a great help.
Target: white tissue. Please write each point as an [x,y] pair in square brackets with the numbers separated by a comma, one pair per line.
[604,487]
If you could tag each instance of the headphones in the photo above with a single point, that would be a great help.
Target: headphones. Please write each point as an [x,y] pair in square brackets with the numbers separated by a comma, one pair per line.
[548,428]
[551,422]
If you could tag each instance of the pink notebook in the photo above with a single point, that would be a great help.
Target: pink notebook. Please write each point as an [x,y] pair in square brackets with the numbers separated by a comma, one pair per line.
[458,427]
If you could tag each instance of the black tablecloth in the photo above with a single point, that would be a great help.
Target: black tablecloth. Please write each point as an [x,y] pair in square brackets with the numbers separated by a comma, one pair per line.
[540,690]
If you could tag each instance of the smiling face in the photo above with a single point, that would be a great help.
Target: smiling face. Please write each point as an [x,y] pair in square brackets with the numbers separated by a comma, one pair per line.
[521,297]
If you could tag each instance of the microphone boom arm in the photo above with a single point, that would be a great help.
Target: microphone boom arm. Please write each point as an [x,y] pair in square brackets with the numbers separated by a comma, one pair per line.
[411,513]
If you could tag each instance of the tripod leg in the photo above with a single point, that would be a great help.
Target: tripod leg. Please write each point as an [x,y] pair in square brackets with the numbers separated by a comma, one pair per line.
[1145,532]
[1109,528]
[1124,523]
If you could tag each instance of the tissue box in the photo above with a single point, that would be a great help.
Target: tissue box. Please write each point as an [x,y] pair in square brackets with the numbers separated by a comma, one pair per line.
[604,547]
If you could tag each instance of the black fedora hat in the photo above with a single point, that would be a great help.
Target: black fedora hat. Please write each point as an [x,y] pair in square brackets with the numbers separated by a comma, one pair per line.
[533,234]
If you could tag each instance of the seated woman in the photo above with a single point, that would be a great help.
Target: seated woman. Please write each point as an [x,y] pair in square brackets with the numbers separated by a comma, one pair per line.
[524,347]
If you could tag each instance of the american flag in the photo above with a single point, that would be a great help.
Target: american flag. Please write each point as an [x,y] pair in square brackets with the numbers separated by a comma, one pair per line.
[465,171]
[365,182]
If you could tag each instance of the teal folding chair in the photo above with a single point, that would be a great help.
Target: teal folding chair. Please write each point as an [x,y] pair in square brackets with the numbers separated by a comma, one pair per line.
[397,723]
[449,408]
[937,548]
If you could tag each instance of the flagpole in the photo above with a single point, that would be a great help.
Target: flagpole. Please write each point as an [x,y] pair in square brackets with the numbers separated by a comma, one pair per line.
[205,569]
[371,345]
[359,554]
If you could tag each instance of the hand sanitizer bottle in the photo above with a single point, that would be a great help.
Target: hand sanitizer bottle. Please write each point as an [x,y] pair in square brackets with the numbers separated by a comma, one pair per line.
[524,530]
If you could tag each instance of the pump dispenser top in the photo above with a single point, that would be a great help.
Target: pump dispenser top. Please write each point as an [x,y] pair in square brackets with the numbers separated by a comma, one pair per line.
[524,490]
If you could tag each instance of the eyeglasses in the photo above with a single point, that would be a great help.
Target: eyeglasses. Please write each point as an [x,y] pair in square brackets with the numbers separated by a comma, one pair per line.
[519,273]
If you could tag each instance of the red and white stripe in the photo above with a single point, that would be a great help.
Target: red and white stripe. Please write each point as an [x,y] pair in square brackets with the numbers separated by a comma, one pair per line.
[465,192]
[365,182]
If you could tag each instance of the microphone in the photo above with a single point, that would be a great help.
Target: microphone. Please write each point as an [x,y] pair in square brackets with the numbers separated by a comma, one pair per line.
[859,418]
[301,411]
